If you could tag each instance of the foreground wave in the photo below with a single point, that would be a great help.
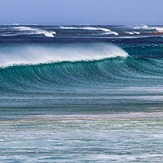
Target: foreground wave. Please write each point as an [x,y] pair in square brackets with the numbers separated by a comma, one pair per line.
[79,95]
[94,74]
[94,65]
[18,55]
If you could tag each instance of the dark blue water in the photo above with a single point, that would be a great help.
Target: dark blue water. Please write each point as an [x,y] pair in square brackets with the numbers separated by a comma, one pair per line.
[66,92]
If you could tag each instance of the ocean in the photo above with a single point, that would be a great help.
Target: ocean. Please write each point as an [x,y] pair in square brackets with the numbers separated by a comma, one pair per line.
[81,93]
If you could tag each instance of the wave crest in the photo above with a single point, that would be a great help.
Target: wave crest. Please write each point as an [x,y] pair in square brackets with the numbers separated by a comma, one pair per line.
[158,29]
[142,27]
[45,54]
[31,30]
[106,30]
[133,33]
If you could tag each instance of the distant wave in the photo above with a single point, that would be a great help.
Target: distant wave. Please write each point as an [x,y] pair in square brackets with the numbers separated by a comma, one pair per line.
[46,68]
[49,77]
[132,33]
[145,27]
[106,30]
[159,29]
[31,30]
[44,54]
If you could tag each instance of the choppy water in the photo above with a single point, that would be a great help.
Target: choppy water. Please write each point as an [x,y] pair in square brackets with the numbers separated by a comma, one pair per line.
[135,137]
[81,93]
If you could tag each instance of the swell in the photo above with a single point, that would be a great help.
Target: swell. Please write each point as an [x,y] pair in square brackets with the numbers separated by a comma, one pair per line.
[93,74]
[49,68]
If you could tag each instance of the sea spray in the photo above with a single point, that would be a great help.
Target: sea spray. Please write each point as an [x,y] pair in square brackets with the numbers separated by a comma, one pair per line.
[35,54]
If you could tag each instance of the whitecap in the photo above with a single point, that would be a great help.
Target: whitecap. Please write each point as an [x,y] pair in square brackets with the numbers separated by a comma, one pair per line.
[159,29]
[106,30]
[44,54]
[134,32]
[30,30]
[145,27]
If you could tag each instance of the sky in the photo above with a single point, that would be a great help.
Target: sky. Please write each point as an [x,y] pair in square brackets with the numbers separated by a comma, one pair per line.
[67,12]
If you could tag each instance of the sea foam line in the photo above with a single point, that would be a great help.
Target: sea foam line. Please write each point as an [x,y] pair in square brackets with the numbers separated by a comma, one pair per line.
[134,32]
[145,27]
[31,30]
[45,54]
[106,30]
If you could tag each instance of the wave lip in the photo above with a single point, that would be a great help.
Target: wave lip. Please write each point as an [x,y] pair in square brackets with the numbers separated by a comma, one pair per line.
[31,30]
[45,54]
[106,30]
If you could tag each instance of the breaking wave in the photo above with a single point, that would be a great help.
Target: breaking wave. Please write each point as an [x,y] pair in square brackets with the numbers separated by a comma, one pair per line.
[94,74]
[106,30]
[133,33]
[45,54]
[153,28]
[159,29]
[146,27]
[30,31]
[46,68]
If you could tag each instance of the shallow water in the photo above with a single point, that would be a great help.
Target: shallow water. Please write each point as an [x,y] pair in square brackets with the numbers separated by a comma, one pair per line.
[135,137]
[81,94]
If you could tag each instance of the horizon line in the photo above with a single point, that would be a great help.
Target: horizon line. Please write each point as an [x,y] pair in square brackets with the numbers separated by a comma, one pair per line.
[18,24]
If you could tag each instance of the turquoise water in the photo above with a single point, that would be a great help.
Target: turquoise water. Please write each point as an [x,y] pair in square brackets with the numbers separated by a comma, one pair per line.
[135,137]
[81,94]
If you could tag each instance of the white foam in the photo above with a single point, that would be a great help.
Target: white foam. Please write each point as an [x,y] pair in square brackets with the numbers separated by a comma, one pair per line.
[145,27]
[159,29]
[38,54]
[31,30]
[134,32]
[108,31]
[142,27]
[113,157]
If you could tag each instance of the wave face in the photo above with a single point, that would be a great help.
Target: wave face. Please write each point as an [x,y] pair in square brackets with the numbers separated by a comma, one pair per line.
[151,29]
[77,64]
[81,69]
[79,93]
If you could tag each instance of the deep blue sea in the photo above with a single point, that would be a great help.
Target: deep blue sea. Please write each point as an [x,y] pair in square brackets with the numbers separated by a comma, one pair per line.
[81,94]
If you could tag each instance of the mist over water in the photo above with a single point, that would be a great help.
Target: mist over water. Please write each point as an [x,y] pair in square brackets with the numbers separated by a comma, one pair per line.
[36,54]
